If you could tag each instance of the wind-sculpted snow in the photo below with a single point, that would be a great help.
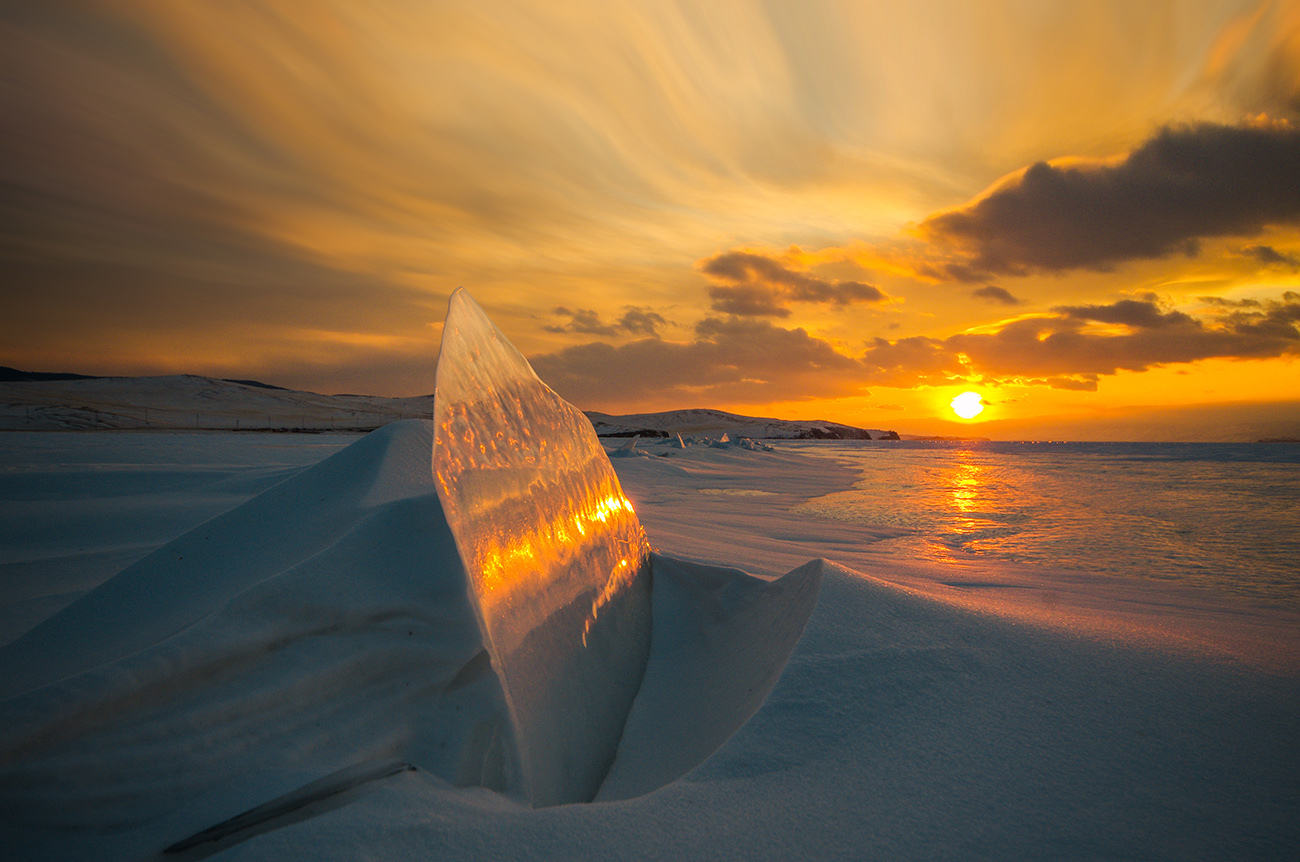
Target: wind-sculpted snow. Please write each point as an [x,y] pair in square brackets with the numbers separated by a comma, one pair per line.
[323,624]
[930,710]
[555,556]
[469,600]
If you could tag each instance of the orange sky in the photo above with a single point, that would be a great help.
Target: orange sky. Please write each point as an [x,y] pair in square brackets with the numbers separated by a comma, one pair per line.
[851,211]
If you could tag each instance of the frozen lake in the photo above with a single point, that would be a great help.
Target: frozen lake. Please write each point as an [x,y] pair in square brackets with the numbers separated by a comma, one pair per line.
[945,700]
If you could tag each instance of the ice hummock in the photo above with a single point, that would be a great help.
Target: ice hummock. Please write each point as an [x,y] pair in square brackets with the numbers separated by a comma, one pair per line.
[556,559]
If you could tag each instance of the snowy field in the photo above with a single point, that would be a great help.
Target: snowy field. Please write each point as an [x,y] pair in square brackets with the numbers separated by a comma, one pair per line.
[928,712]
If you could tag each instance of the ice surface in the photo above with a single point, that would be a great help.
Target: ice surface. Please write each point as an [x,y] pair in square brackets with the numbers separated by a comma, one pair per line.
[555,557]
[628,450]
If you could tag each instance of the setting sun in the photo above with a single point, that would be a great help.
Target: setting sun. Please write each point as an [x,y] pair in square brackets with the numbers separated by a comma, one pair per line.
[968,405]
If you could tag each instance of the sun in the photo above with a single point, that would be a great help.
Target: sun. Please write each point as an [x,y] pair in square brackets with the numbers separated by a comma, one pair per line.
[968,405]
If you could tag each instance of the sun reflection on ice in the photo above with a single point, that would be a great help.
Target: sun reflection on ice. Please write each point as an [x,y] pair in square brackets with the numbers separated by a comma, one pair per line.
[965,484]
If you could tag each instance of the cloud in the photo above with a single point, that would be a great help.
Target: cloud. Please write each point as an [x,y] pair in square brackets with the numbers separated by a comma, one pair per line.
[1059,346]
[1270,256]
[641,321]
[917,360]
[581,320]
[1184,184]
[730,360]
[1127,312]
[635,321]
[1274,319]
[993,293]
[1224,302]
[1082,383]
[743,360]
[758,286]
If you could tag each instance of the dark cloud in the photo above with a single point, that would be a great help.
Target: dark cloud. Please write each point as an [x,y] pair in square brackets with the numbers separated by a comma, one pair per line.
[1128,312]
[582,320]
[641,321]
[1082,383]
[748,300]
[758,286]
[993,293]
[635,321]
[1059,346]
[1223,302]
[1274,319]
[1184,184]
[1270,256]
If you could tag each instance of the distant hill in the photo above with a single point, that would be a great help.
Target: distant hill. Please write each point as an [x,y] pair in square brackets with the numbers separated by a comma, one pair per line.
[713,423]
[13,375]
[48,402]
[38,401]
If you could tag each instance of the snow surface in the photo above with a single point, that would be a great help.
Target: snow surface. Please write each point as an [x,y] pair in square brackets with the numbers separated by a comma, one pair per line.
[978,712]
[186,401]
[469,598]
[268,677]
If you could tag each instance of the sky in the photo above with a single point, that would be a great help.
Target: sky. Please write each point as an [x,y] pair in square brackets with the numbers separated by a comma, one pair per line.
[1086,212]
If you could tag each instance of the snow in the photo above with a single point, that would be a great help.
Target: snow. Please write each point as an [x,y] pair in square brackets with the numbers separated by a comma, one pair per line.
[1028,715]
[322,624]
[470,598]
[210,626]
[715,423]
[721,638]
[187,401]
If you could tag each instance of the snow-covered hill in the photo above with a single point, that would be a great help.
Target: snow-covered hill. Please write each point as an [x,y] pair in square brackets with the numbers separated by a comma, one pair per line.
[49,402]
[713,423]
[188,401]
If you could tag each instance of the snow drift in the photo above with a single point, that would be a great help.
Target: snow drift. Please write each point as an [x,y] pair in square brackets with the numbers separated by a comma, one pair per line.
[475,598]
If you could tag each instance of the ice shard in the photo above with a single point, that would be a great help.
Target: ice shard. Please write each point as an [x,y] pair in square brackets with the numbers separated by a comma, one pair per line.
[557,562]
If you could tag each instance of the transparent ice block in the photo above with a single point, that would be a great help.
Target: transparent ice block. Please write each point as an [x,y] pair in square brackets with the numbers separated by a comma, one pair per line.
[557,561]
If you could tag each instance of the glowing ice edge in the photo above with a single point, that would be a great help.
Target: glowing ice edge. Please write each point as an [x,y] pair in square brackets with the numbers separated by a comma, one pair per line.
[332,622]
[557,562]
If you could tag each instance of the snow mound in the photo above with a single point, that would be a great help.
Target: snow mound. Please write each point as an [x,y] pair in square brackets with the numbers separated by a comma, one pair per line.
[473,597]
[324,623]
